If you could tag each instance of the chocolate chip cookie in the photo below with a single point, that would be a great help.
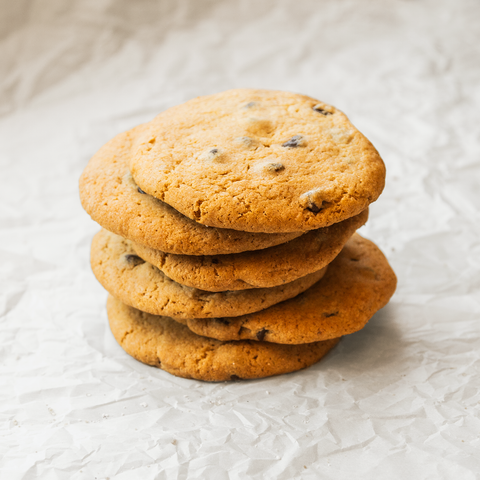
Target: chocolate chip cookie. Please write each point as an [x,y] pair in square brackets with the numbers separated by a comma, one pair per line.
[166,344]
[258,161]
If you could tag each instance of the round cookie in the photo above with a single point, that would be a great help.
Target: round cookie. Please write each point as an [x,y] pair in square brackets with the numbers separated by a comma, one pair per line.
[166,344]
[111,197]
[260,269]
[357,284]
[144,286]
[258,161]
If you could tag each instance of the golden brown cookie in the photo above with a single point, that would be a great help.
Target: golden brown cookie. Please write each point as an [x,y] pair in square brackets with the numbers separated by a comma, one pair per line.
[164,343]
[111,197]
[258,161]
[260,269]
[357,284]
[144,286]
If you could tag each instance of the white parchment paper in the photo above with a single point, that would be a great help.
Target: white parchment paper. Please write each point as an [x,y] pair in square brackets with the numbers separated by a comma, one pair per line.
[398,400]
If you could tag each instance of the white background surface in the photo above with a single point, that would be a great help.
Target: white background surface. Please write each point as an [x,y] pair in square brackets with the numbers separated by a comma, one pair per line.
[398,400]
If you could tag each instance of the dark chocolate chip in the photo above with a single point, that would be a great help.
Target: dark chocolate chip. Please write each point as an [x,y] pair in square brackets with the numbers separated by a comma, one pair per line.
[235,377]
[275,167]
[313,201]
[141,191]
[319,109]
[330,314]
[133,260]
[215,261]
[213,154]
[294,142]
[261,334]
[313,207]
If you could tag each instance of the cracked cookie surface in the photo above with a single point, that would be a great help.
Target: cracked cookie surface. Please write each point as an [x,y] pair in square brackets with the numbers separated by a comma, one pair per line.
[258,161]
[142,285]
[166,344]
[260,269]
[112,198]
[357,284]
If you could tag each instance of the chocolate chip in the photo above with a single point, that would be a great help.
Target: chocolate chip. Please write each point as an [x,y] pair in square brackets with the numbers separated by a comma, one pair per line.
[141,191]
[294,142]
[320,109]
[133,260]
[330,314]
[275,167]
[235,377]
[213,154]
[215,261]
[313,207]
[313,201]
[261,334]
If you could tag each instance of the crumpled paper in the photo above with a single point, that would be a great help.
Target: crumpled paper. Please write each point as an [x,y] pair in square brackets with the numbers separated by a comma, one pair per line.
[399,399]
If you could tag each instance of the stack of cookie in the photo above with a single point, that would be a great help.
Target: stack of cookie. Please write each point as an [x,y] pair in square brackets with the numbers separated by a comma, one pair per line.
[229,247]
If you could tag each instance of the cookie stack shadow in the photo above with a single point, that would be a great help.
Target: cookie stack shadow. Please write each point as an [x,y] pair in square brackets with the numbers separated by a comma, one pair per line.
[192,291]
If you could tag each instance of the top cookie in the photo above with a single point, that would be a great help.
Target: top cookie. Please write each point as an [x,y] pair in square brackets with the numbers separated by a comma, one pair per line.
[258,161]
